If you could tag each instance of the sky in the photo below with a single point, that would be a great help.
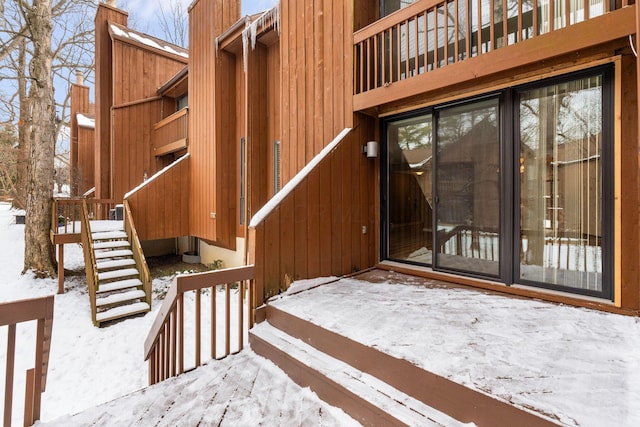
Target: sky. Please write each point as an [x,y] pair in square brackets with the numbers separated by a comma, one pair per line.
[147,10]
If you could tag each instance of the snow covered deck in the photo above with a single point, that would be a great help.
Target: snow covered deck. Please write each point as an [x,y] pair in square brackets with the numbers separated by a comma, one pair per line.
[578,366]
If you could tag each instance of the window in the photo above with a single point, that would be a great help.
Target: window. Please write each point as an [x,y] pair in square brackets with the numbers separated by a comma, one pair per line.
[516,186]
[389,6]
[562,190]
[182,102]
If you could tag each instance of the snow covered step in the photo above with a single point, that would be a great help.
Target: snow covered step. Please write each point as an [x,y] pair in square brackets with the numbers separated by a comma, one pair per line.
[113,254]
[122,311]
[119,263]
[121,297]
[111,244]
[366,391]
[119,285]
[117,274]
[109,235]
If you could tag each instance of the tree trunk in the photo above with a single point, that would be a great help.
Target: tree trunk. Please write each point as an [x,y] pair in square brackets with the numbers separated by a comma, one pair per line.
[39,252]
[24,126]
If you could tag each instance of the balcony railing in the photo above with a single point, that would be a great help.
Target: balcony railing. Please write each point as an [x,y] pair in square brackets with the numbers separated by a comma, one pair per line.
[171,133]
[431,34]
[23,312]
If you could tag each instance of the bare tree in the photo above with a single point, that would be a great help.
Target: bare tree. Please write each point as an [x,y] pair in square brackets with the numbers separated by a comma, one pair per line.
[173,22]
[39,256]
[40,41]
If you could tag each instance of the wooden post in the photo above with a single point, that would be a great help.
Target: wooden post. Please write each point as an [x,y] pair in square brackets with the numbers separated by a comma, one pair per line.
[61,269]
[8,384]
[29,399]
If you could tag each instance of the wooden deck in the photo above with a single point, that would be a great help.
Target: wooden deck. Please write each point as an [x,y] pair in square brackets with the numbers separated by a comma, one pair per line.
[234,391]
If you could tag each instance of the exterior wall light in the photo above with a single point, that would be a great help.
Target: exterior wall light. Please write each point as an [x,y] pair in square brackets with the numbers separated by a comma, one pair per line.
[370,149]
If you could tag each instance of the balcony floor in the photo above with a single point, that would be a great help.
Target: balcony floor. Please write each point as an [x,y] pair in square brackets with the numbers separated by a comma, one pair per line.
[578,366]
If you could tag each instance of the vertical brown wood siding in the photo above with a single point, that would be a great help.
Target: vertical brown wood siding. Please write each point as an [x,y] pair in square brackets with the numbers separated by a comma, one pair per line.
[630,187]
[132,152]
[161,208]
[79,104]
[317,230]
[86,158]
[136,108]
[104,82]
[213,199]
[316,53]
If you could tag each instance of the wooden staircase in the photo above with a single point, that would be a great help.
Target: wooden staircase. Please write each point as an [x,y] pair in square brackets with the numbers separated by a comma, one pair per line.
[117,274]
[119,290]
[375,388]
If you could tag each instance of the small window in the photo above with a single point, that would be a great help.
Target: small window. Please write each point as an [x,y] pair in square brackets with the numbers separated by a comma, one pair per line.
[389,6]
[276,166]
[182,102]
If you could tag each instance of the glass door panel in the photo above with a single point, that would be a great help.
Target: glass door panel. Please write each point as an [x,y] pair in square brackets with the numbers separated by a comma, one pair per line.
[561,191]
[409,199]
[468,188]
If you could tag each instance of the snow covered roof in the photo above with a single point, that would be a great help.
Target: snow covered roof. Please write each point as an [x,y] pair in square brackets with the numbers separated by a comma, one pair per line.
[85,121]
[125,33]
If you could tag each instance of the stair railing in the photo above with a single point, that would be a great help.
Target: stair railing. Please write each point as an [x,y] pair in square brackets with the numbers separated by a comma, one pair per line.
[11,314]
[91,267]
[138,254]
[164,347]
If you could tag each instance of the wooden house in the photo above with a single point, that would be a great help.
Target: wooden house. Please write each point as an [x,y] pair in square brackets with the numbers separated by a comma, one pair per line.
[486,143]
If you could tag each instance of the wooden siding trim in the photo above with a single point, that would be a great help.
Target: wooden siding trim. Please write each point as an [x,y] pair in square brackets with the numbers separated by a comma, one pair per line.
[619,24]
[136,102]
[170,148]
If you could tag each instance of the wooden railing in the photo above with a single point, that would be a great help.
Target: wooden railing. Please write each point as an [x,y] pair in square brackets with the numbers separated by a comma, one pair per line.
[164,347]
[66,213]
[11,314]
[431,34]
[470,242]
[138,254]
[171,133]
[90,265]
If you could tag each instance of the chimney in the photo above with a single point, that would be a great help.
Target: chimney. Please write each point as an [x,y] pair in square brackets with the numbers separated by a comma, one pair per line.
[79,78]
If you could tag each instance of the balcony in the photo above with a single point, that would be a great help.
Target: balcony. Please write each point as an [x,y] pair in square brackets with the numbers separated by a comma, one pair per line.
[413,49]
[171,133]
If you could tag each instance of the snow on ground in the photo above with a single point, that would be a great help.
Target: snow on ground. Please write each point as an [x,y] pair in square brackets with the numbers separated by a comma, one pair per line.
[89,366]
[577,365]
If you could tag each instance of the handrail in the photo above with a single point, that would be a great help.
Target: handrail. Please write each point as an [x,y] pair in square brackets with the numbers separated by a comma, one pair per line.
[11,314]
[66,213]
[138,254]
[91,266]
[431,34]
[164,347]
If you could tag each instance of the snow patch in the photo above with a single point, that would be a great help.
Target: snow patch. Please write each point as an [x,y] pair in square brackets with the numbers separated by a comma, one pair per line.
[147,41]
[85,121]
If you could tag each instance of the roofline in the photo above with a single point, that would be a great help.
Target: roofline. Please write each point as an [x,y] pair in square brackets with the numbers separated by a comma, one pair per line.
[137,43]
[173,80]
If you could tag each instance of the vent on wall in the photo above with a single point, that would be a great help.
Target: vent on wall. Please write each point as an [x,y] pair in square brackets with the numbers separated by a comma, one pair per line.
[276,166]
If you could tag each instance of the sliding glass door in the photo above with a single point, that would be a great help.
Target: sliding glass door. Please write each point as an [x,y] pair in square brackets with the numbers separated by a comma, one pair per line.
[410,204]
[468,188]
[561,184]
[516,187]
